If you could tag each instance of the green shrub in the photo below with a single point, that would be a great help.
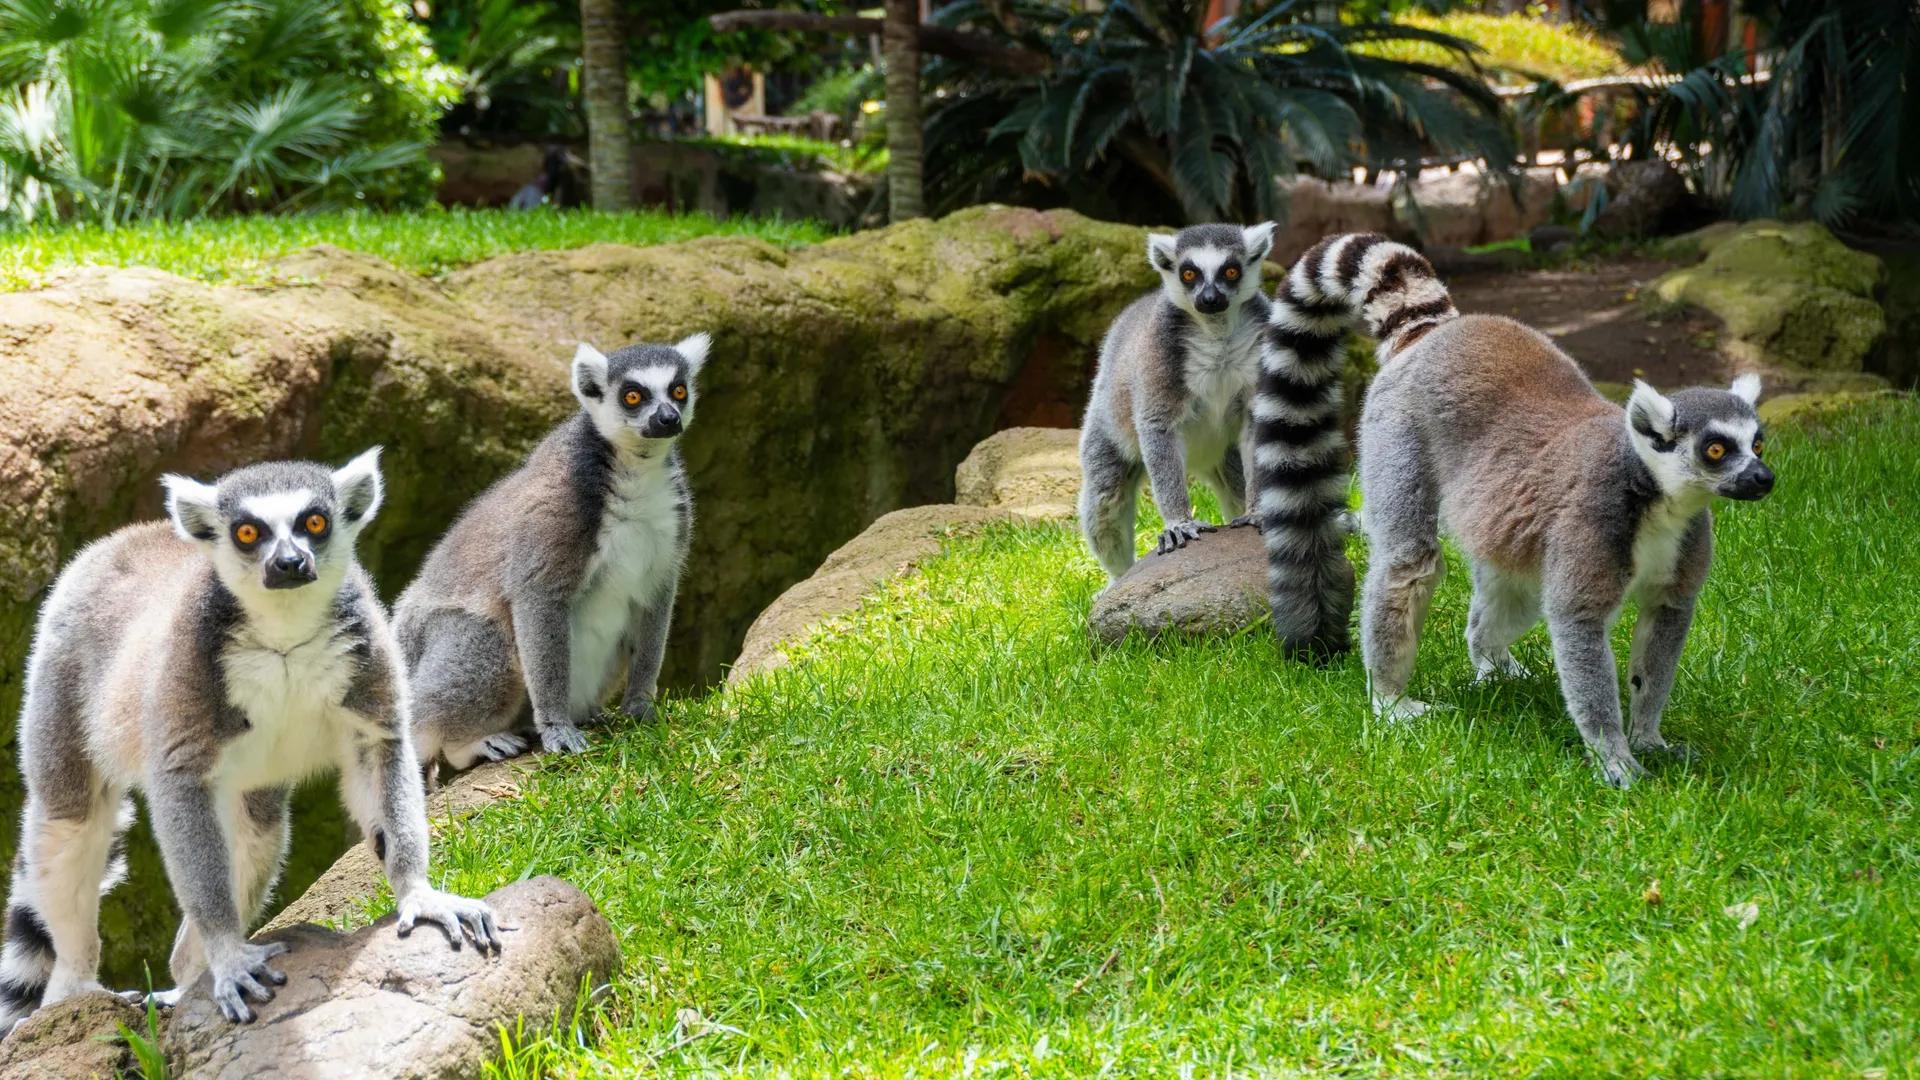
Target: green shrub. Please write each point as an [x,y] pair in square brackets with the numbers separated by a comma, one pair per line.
[1517,48]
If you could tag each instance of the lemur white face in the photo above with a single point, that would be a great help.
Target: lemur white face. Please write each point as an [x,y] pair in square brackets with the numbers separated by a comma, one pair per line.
[1210,269]
[1703,440]
[280,524]
[642,395]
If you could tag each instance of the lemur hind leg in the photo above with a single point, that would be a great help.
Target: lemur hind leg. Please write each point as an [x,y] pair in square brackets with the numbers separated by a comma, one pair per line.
[1404,563]
[1504,608]
[1228,482]
[53,915]
[467,694]
[1109,498]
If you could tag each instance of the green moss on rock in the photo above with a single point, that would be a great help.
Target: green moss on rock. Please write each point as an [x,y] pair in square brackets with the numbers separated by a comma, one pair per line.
[1790,295]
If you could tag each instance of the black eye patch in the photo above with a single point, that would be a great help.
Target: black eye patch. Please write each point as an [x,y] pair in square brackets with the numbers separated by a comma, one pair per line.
[633,396]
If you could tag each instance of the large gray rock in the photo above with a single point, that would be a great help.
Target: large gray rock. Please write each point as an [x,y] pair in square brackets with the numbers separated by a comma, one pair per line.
[1030,471]
[375,1004]
[78,1039]
[1642,198]
[1216,583]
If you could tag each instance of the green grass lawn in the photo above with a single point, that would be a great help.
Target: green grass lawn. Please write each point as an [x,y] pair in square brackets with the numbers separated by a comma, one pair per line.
[957,836]
[428,241]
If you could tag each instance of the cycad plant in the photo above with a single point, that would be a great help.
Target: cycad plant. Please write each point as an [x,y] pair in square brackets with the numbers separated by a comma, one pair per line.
[1143,110]
[112,110]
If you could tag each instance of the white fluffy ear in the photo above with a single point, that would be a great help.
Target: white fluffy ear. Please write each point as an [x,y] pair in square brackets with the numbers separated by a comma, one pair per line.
[1650,414]
[1258,240]
[694,347]
[358,486]
[1160,251]
[1747,388]
[193,507]
[589,375]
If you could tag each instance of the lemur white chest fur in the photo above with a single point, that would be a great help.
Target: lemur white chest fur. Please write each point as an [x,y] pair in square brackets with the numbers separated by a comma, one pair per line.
[636,555]
[1220,367]
[1656,546]
[287,672]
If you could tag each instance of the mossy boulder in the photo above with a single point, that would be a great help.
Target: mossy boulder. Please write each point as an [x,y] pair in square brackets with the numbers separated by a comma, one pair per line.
[1791,296]
[847,380]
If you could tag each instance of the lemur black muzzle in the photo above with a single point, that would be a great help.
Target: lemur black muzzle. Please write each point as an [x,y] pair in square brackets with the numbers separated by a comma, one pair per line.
[288,567]
[1210,301]
[663,424]
[1753,482]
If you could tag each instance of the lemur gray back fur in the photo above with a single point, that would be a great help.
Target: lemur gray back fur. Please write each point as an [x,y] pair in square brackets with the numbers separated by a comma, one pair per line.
[1169,399]
[212,665]
[1567,505]
[1300,457]
[523,609]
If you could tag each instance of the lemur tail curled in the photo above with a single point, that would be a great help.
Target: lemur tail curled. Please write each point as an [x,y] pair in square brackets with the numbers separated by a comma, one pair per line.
[1358,280]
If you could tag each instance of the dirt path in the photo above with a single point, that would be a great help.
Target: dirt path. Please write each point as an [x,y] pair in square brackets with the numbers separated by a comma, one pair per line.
[1590,310]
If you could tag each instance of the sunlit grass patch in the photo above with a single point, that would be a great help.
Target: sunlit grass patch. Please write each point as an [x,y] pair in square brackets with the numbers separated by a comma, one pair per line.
[241,249]
[956,835]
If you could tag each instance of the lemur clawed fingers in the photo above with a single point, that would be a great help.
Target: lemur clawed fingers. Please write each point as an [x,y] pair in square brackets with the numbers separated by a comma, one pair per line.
[458,917]
[562,739]
[1246,521]
[1180,534]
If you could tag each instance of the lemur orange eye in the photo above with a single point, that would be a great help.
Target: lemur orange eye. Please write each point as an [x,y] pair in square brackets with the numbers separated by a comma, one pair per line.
[246,533]
[316,523]
[1189,275]
[1233,273]
[1716,450]
[680,392]
[632,399]
[1759,446]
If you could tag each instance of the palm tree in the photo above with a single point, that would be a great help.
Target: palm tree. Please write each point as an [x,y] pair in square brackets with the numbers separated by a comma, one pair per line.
[603,52]
[900,46]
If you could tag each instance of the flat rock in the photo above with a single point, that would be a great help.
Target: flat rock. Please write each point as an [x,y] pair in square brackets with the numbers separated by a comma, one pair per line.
[1218,582]
[1030,471]
[891,546]
[375,1004]
[77,1038]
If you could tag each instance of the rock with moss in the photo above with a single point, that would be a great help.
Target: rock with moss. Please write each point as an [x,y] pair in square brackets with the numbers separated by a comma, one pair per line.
[1791,296]
[848,379]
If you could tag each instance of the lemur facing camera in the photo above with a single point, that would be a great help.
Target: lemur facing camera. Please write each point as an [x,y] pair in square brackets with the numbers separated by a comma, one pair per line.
[1170,396]
[1567,504]
[212,665]
[560,568]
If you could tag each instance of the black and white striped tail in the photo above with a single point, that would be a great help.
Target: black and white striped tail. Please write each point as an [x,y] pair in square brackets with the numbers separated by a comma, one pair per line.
[1299,447]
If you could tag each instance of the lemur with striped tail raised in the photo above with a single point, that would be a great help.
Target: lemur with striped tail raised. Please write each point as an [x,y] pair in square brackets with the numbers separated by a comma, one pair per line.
[1170,397]
[1566,504]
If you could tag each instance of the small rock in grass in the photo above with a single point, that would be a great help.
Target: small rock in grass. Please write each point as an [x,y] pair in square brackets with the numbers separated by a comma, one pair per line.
[375,1004]
[1218,582]
[77,1038]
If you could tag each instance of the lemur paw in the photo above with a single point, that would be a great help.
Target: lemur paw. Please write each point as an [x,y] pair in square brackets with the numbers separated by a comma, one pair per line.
[1401,709]
[1181,533]
[1678,751]
[456,915]
[159,999]
[641,709]
[1621,771]
[243,975]
[1487,668]
[562,739]
[500,747]
[1246,521]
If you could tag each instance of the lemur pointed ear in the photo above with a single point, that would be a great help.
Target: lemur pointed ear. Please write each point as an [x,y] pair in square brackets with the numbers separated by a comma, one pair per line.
[1747,388]
[1160,251]
[589,374]
[358,486]
[1258,240]
[193,507]
[1651,415]
[694,347]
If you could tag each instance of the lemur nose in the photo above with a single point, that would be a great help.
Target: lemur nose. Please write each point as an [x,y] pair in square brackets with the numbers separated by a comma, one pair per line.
[289,561]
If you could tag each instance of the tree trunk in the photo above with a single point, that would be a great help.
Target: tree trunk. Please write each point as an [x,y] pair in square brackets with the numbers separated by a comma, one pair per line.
[900,41]
[609,136]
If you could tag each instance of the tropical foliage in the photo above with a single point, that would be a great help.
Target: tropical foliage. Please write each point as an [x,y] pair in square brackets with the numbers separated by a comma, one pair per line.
[112,110]
[1143,107]
[1512,48]
[1829,129]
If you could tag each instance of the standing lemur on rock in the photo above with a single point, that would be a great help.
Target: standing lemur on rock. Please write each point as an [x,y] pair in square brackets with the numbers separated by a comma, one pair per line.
[212,665]
[1170,396]
[1566,504]
[560,569]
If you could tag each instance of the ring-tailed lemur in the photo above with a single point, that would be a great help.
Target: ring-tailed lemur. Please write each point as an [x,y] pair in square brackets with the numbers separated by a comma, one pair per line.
[1170,395]
[539,586]
[1567,505]
[212,665]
